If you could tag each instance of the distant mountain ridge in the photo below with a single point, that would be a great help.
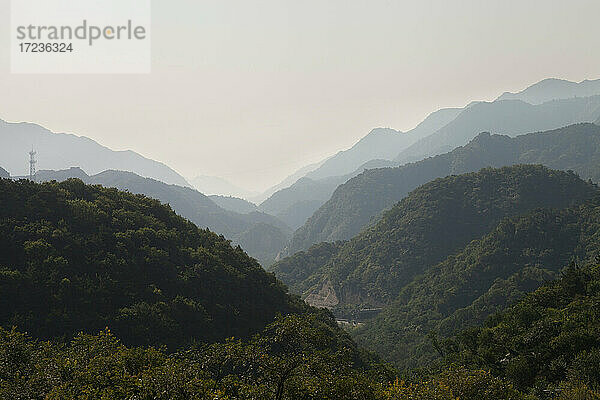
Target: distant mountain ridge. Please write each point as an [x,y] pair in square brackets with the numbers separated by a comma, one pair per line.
[355,203]
[554,89]
[295,204]
[446,129]
[298,201]
[57,151]
[381,143]
[509,117]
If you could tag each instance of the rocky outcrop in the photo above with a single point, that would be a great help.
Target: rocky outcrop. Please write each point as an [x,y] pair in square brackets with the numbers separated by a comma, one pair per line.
[324,297]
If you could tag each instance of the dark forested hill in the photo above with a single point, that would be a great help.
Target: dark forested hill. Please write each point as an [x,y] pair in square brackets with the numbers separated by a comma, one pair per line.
[198,208]
[549,336]
[518,256]
[75,257]
[548,104]
[357,202]
[435,220]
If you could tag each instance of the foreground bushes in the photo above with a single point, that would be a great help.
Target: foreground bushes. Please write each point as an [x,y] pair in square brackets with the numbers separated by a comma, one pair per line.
[293,358]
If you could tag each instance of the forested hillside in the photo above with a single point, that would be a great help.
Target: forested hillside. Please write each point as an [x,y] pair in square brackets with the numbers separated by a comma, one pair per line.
[241,228]
[518,256]
[550,336]
[75,257]
[293,358]
[359,201]
[434,221]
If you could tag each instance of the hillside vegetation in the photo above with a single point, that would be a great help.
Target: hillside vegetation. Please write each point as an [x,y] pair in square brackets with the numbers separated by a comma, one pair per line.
[241,228]
[434,221]
[550,336]
[489,274]
[75,257]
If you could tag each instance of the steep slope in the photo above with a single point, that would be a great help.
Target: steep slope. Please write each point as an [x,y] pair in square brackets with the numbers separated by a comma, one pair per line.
[234,204]
[511,117]
[554,89]
[518,256]
[548,336]
[435,220]
[77,258]
[196,207]
[357,202]
[59,151]
[4,173]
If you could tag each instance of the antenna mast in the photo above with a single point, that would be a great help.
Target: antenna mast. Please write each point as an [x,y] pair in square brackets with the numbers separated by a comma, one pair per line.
[32,163]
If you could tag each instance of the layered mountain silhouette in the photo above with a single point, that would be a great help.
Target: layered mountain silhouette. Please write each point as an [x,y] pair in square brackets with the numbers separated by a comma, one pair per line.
[358,202]
[444,130]
[287,182]
[58,151]
[510,117]
[295,203]
[242,229]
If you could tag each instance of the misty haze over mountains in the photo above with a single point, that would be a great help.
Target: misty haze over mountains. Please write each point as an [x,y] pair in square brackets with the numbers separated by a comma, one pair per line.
[439,133]
[212,185]
[404,234]
[292,200]
[295,203]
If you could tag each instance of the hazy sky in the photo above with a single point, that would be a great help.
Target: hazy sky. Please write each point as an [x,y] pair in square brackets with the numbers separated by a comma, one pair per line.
[252,90]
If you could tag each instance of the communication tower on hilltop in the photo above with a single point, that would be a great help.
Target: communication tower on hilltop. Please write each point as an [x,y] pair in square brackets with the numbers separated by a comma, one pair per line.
[32,162]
